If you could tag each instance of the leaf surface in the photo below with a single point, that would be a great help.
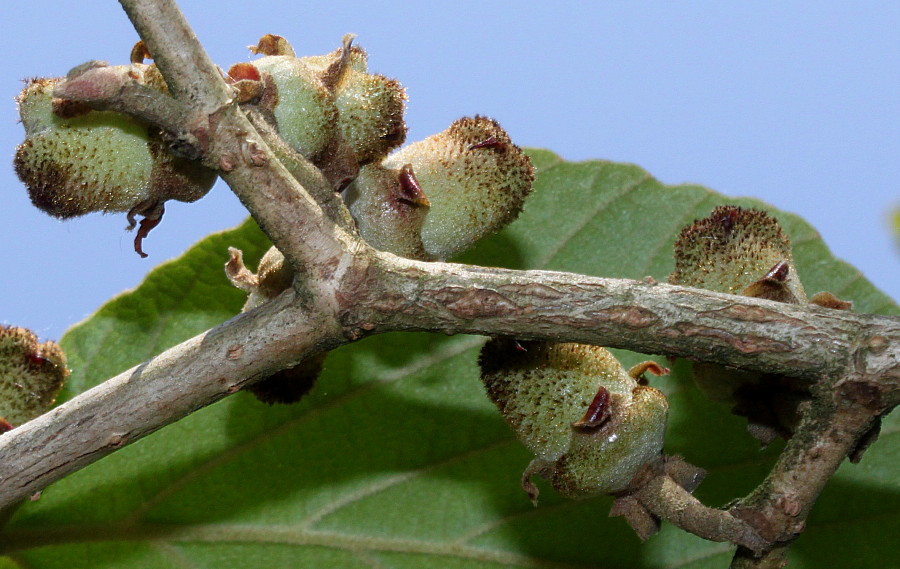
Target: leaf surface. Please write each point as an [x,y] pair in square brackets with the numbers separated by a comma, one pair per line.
[396,459]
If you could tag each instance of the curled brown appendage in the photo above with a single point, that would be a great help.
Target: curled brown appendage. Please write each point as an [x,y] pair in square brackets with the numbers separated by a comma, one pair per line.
[271,44]
[238,274]
[334,73]
[490,142]
[152,214]
[140,53]
[410,190]
[828,300]
[638,371]
[773,285]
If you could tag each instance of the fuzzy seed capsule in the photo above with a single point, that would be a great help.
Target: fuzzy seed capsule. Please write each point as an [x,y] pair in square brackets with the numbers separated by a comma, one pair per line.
[303,107]
[31,375]
[745,252]
[738,251]
[75,160]
[589,423]
[475,178]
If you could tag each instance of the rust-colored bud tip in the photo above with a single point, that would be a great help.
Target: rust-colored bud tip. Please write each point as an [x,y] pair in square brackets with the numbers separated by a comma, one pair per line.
[140,53]
[271,44]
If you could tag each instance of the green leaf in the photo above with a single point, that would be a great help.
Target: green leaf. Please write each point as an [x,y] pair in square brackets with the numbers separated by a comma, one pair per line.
[396,458]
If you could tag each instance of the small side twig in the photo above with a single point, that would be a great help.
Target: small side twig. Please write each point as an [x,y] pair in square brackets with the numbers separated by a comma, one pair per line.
[840,414]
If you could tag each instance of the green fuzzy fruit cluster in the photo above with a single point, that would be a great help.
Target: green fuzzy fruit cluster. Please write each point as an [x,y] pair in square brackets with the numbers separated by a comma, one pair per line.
[329,108]
[76,161]
[31,375]
[544,390]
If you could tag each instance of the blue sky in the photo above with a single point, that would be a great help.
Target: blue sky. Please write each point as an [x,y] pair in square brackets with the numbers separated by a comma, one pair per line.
[794,103]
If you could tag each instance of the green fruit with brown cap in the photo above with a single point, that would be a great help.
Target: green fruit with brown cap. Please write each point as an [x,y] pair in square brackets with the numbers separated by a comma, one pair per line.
[589,423]
[31,375]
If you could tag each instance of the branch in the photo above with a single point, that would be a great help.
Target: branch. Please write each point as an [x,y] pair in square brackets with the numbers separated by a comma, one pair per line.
[137,402]
[805,342]
[408,295]
[829,432]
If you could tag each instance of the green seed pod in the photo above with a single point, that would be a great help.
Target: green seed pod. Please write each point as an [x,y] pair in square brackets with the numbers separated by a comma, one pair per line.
[31,376]
[589,423]
[738,251]
[475,178]
[389,207]
[98,160]
[745,252]
[302,105]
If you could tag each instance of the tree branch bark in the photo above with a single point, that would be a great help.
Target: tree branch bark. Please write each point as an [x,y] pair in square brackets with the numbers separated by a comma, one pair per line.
[443,298]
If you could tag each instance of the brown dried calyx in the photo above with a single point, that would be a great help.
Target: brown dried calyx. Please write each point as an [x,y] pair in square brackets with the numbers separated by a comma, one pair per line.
[745,252]
[31,376]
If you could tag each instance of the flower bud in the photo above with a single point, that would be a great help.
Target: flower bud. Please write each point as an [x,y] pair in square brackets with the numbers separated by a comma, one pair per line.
[475,178]
[31,375]
[589,423]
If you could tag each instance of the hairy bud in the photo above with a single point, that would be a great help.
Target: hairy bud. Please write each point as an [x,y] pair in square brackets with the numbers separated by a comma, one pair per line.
[589,423]
[75,160]
[31,375]
[475,178]
[733,250]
